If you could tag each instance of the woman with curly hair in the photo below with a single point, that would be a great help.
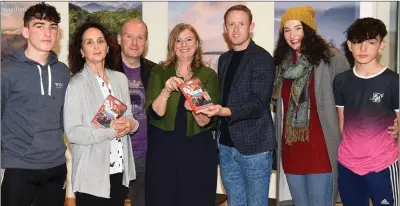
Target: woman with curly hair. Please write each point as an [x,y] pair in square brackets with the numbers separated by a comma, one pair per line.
[102,159]
[307,128]
[181,165]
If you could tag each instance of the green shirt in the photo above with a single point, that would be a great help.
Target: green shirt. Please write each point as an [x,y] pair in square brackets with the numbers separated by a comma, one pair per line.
[158,76]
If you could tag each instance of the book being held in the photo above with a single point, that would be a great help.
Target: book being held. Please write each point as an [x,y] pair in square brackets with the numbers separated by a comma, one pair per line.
[111,109]
[196,95]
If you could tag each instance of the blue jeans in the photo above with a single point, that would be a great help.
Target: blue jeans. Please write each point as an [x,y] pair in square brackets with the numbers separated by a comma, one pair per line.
[311,189]
[245,177]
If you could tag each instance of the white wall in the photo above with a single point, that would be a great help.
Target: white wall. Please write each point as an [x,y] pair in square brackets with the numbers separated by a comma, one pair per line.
[263,18]
[155,14]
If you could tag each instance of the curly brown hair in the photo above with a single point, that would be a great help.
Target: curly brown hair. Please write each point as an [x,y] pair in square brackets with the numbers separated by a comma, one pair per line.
[75,59]
[173,36]
[313,46]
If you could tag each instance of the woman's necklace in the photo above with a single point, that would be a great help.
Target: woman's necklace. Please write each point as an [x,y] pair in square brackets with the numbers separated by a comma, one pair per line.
[185,78]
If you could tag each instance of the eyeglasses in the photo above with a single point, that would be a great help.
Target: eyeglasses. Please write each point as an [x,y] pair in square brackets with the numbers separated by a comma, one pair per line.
[90,42]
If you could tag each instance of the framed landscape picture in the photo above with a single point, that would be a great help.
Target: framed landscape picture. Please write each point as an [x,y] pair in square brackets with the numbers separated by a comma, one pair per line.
[109,14]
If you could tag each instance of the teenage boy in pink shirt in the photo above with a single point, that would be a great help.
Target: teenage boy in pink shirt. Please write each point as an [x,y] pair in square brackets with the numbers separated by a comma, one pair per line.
[367,100]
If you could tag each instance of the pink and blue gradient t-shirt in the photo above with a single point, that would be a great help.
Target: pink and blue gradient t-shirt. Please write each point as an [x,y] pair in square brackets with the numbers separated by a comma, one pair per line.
[370,106]
[138,98]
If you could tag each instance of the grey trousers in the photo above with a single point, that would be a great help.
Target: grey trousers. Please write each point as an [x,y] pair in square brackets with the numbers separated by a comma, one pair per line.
[136,187]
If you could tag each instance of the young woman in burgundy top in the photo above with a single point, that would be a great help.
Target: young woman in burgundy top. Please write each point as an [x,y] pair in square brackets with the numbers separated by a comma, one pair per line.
[307,128]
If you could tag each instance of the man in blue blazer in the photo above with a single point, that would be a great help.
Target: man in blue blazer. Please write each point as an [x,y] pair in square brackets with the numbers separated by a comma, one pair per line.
[245,128]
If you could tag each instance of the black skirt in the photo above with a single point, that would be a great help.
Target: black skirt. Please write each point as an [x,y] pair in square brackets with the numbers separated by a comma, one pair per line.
[180,170]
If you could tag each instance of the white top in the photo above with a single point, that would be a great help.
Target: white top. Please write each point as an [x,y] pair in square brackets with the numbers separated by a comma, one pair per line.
[116,160]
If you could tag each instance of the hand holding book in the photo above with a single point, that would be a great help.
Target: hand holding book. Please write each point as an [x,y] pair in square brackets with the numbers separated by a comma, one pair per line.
[217,110]
[196,95]
[213,110]
[172,84]
[122,125]
[111,109]
[187,106]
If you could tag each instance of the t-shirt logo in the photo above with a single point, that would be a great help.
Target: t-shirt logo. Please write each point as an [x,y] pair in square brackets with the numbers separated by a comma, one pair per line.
[376,97]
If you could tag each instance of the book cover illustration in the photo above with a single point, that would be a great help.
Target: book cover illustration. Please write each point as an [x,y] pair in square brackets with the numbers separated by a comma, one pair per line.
[112,108]
[196,95]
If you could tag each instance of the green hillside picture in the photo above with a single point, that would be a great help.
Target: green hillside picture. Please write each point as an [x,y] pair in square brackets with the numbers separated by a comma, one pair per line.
[109,14]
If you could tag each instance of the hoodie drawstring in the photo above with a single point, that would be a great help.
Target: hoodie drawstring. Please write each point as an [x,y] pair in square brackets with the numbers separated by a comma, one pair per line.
[41,80]
[49,72]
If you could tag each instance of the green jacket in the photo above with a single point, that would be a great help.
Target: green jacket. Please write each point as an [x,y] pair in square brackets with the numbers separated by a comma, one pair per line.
[158,76]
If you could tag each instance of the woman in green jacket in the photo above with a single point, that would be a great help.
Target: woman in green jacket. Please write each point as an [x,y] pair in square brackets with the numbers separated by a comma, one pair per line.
[181,165]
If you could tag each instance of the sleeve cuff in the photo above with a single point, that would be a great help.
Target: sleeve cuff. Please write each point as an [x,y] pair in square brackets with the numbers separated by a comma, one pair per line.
[153,113]
[234,115]
[136,126]
[396,110]
[110,133]
[339,106]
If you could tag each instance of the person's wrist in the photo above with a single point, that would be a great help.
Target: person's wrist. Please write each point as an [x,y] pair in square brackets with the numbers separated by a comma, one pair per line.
[165,93]
[131,125]
[224,112]
[134,126]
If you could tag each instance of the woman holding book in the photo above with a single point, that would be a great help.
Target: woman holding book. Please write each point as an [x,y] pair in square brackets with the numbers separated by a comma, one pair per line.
[181,164]
[102,159]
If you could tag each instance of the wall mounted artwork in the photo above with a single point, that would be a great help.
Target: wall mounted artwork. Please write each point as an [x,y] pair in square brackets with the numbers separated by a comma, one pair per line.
[109,14]
[207,18]
[12,14]
[333,18]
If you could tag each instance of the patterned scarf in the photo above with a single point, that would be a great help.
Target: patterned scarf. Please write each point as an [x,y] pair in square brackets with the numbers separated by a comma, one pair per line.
[298,114]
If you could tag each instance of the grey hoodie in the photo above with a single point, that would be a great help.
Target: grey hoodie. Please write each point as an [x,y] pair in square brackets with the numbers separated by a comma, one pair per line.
[32,98]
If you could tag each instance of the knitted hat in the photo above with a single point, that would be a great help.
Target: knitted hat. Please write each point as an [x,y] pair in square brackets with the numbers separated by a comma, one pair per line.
[304,14]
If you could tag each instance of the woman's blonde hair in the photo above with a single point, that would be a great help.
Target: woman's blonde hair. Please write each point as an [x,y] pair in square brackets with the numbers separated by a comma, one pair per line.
[173,36]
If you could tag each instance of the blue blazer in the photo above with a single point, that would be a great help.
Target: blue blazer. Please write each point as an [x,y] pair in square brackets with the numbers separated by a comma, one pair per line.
[251,126]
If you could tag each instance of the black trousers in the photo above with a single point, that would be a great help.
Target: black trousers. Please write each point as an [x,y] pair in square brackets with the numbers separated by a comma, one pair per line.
[22,187]
[118,194]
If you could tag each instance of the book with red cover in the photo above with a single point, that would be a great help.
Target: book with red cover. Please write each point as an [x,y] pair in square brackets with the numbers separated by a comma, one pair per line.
[112,108]
[196,95]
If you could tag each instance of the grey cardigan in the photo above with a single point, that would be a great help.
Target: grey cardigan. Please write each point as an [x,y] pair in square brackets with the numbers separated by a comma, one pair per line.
[90,147]
[324,75]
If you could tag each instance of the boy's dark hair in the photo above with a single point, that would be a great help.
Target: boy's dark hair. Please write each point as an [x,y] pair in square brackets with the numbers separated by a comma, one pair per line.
[365,29]
[41,11]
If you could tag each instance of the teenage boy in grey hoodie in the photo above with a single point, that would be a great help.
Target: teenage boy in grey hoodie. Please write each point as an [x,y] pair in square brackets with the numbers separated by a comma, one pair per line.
[33,84]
